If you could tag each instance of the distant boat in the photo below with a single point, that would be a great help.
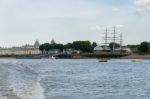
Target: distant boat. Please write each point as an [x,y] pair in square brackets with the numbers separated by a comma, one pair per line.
[103,60]
[136,60]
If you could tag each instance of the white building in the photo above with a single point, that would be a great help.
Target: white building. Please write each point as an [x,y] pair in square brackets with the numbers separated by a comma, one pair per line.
[23,50]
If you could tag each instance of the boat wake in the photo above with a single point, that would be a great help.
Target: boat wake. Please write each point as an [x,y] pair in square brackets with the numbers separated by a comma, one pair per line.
[18,81]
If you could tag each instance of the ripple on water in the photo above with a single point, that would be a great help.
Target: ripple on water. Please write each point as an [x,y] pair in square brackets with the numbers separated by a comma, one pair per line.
[74,79]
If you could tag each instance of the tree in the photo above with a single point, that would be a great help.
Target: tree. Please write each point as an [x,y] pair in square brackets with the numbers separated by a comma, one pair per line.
[133,46]
[116,45]
[58,46]
[47,47]
[94,44]
[68,46]
[41,48]
[84,46]
[144,47]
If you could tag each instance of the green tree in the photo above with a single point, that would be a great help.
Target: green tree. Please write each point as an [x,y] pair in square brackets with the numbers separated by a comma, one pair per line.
[116,45]
[84,46]
[68,46]
[94,44]
[133,46]
[144,47]
[58,46]
[47,47]
[42,48]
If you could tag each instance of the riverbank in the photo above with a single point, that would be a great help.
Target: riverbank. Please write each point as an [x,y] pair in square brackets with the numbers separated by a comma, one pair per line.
[136,56]
[91,56]
[81,56]
[114,56]
[67,56]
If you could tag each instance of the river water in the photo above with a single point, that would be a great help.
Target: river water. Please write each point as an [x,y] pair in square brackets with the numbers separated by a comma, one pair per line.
[74,79]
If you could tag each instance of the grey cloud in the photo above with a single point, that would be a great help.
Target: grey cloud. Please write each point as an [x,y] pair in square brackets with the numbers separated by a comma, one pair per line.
[142,7]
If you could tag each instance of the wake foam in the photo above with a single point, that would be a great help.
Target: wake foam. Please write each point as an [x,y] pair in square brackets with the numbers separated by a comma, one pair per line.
[18,81]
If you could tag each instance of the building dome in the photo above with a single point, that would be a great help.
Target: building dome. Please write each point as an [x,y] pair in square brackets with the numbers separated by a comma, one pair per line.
[52,41]
[36,44]
[97,48]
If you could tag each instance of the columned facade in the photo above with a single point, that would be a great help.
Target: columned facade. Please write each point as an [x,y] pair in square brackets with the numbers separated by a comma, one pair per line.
[23,50]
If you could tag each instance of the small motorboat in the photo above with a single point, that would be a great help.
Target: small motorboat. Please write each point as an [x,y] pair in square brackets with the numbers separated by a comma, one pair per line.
[103,60]
[136,60]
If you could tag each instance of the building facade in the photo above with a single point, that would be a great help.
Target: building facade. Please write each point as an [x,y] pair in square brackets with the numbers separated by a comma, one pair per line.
[22,50]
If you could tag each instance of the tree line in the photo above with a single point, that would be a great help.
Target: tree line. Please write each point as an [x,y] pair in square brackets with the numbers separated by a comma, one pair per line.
[87,46]
[143,48]
[84,46]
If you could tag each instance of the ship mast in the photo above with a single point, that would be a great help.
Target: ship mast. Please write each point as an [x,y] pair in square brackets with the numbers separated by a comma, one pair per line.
[114,37]
[121,41]
[106,37]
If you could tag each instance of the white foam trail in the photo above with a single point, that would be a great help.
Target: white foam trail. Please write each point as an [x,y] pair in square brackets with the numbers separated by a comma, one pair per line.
[19,82]
[33,92]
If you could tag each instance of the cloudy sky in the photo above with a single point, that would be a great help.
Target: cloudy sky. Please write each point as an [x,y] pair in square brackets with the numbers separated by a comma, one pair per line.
[24,21]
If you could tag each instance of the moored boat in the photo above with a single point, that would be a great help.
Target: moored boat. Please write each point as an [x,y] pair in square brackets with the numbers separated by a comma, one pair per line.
[136,60]
[103,60]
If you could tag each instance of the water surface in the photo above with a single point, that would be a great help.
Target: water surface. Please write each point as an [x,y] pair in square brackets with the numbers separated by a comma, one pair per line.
[74,79]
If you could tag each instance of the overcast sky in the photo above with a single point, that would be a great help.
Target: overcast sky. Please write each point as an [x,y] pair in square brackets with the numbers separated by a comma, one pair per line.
[24,21]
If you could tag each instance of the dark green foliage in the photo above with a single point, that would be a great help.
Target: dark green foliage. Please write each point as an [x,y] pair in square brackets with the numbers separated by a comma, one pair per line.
[94,44]
[116,45]
[133,46]
[144,47]
[47,47]
[68,46]
[84,46]
[58,46]
[42,48]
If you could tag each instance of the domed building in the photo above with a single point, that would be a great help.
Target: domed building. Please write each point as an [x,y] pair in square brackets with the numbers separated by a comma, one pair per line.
[36,44]
[22,50]
[53,41]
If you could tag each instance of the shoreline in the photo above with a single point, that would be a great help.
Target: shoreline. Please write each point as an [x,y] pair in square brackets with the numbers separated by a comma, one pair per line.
[82,56]
[136,57]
